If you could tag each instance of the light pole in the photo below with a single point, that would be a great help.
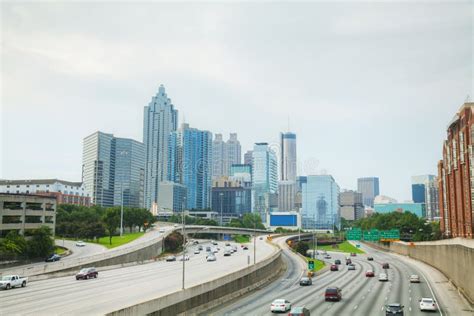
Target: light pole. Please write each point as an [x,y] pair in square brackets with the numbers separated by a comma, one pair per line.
[122,153]
[184,242]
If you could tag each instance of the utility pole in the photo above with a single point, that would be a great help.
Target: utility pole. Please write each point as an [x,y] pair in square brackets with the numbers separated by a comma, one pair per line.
[254,240]
[184,241]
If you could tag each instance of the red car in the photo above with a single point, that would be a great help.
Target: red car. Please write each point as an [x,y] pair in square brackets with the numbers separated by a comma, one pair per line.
[369,273]
[334,267]
[87,273]
[353,254]
[333,294]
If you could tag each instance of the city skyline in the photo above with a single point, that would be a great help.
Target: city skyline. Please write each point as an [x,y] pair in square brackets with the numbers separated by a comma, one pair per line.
[370,111]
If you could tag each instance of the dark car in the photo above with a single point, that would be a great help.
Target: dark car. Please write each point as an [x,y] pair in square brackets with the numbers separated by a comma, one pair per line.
[394,309]
[370,273]
[245,248]
[348,261]
[87,273]
[306,281]
[337,261]
[385,266]
[353,254]
[370,258]
[334,267]
[52,258]
[333,294]
[299,311]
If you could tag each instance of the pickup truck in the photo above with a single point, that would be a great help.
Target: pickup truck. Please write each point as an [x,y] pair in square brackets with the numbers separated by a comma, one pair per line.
[9,281]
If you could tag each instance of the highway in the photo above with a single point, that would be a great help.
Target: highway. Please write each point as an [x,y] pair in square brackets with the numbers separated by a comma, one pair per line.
[118,288]
[360,295]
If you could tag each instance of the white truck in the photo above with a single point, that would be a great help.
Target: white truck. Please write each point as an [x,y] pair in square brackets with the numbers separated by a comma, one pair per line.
[9,281]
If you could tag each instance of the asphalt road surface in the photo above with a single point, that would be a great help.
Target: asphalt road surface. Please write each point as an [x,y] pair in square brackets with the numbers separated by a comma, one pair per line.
[118,288]
[360,295]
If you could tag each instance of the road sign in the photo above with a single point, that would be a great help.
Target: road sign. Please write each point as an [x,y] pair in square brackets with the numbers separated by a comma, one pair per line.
[372,235]
[354,234]
[390,235]
[311,265]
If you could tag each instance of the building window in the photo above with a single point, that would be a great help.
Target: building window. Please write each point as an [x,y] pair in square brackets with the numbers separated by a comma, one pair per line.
[455,154]
[461,147]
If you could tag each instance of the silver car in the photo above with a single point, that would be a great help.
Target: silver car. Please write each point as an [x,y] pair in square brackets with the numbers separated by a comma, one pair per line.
[211,257]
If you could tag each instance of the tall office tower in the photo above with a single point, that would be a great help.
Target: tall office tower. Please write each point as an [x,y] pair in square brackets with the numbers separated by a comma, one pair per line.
[369,187]
[248,157]
[424,189]
[264,178]
[351,205]
[129,172]
[190,164]
[112,167]
[159,120]
[288,156]
[286,195]
[456,176]
[224,155]
[320,203]
[241,172]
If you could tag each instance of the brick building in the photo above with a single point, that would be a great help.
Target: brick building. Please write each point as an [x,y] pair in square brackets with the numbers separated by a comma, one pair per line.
[456,176]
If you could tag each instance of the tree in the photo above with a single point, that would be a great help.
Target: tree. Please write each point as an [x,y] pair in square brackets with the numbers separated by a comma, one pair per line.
[302,248]
[111,220]
[41,243]
[252,220]
[173,241]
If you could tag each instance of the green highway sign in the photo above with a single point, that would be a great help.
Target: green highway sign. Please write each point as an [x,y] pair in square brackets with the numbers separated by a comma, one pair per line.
[389,235]
[373,234]
[354,234]
[310,265]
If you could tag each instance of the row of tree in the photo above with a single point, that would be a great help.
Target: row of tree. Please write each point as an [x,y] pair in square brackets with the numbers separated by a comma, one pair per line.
[411,227]
[15,246]
[76,221]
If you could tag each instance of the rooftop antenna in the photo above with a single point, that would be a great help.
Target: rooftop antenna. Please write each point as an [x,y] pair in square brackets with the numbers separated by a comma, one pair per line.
[468,98]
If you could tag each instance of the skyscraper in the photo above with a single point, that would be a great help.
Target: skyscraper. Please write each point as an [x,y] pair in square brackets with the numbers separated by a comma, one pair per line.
[351,205]
[264,178]
[456,176]
[248,157]
[369,187]
[320,203]
[224,155]
[112,169]
[425,190]
[159,120]
[190,164]
[288,156]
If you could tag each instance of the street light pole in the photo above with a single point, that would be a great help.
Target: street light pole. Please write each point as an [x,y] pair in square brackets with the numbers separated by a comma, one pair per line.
[184,247]
[121,209]
[254,240]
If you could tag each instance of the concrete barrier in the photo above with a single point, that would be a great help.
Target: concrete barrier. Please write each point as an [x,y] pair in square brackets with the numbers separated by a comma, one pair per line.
[453,258]
[205,296]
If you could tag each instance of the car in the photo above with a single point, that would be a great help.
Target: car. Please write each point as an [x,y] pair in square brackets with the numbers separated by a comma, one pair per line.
[234,248]
[369,273]
[280,305]
[383,277]
[334,267]
[394,309]
[162,230]
[245,248]
[414,278]
[52,258]
[353,254]
[227,253]
[261,238]
[337,261]
[385,266]
[200,247]
[306,281]
[428,304]
[214,243]
[327,257]
[10,281]
[215,250]
[80,243]
[87,273]
[208,249]
[299,311]
[196,252]
[211,257]
[348,261]
[195,242]
[184,258]
[351,266]
[227,244]
[333,294]
[370,258]
[170,258]
[175,225]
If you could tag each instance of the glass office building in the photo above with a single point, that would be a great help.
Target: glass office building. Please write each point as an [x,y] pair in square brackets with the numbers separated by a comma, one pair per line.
[369,187]
[190,163]
[416,208]
[320,203]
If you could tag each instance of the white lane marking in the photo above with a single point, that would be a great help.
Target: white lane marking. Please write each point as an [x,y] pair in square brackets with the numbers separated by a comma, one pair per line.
[386,297]
[355,307]
[409,308]
[382,308]
[409,298]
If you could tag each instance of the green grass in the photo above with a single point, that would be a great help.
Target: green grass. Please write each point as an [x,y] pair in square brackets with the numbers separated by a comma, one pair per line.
[59,250]
[342,247]
[118,241]
[318,264]
[242,239]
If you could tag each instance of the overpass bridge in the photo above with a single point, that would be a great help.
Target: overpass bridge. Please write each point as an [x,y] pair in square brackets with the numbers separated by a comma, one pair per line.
[203,229]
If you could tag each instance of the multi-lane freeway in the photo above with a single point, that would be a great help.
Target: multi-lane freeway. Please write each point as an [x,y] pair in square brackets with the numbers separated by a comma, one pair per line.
[118,288]
[360,295]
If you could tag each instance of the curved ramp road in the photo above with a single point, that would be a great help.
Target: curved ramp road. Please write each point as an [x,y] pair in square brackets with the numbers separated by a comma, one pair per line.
[360,295]
[115,289]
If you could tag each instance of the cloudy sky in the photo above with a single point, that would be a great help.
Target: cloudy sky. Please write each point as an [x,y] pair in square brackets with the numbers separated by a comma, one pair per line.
[369,87]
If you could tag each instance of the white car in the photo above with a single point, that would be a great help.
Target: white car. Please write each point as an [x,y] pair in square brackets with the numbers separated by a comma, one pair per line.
[428,304]
[162,230]
[185,258]
[414,278]
[280,305]
[196,252]
[211,257]
[10,281]
[80,243]
[383,277]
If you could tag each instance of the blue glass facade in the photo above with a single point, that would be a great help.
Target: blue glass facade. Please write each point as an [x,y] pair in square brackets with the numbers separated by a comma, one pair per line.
[416,208]
[283,220]
[264,178]
[190,164]
[418,193]
[320,203]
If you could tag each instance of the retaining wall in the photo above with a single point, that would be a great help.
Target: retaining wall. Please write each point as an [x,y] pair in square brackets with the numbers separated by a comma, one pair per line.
[202,297]
[454,260]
